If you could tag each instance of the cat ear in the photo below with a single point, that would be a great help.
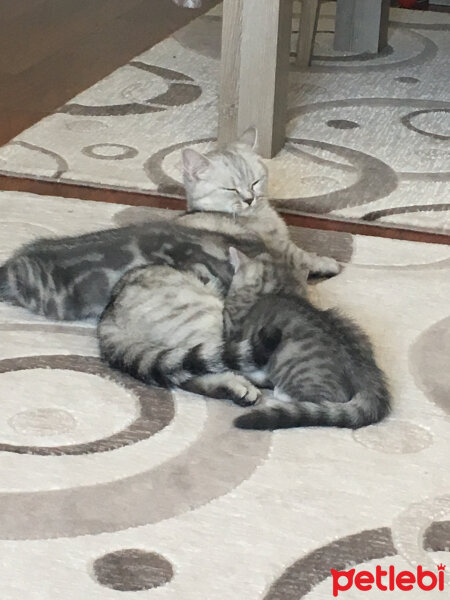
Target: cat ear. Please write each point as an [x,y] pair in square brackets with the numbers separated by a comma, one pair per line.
[249,138]
[194,163]
[237,258]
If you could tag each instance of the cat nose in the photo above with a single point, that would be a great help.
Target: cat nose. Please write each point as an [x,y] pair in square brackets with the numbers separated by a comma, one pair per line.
[248,200]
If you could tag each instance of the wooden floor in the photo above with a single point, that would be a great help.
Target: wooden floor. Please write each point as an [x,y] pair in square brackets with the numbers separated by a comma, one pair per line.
[50,50]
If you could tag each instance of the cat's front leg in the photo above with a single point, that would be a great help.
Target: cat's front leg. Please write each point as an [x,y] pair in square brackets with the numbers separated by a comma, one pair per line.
[313,264]
[224,386]
[322,266]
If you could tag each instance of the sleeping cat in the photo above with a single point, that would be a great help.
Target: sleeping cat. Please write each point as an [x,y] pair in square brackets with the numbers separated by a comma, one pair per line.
[165,327]
[236,178]
[72,278]
[321,365]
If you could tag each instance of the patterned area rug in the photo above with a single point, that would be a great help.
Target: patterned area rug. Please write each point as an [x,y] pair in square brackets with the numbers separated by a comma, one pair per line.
[110,485]
[367,137]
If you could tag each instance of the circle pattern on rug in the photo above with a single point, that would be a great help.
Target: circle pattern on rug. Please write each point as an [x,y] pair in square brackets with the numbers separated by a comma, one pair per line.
[368,178]
[110,151]
[423,527]
[420,163]
[48,159]
[305,574]
[217,448]
[411,80]
[428,363]
[132,570]
[180,90]
[43,421]
[155,407]
[423,128]
[342,124]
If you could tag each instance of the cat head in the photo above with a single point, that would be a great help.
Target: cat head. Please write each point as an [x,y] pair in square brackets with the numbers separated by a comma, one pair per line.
[232,180]
[265,274]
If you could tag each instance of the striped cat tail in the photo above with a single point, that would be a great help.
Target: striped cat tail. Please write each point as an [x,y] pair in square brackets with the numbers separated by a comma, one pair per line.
[167,368]
[363,409]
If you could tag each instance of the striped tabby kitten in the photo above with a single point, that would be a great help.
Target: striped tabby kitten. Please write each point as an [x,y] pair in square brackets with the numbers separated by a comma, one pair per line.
[165,328]
[322,369]
[72,278]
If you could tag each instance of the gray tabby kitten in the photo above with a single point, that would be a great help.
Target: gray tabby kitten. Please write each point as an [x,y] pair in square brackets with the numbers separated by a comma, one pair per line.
[72,278]
[165,328]
[322,369]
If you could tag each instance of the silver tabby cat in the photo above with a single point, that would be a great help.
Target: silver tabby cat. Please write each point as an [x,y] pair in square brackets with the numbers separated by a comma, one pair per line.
[165,327]
[72,278]
[320,364]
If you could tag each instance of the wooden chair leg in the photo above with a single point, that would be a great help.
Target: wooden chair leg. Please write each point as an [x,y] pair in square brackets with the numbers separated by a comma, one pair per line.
[307,31]
[254,71]
[230,65]
[361,25]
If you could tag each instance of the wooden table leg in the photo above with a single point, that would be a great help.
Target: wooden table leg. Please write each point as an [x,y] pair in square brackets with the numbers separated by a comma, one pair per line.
[361,25]
[254,71]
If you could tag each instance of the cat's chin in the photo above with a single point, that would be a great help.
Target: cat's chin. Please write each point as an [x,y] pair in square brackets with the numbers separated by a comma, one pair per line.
[244,207]
[247,209]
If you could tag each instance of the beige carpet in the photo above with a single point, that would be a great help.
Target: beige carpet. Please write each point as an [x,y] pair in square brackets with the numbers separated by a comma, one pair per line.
[109,484]
[368,137]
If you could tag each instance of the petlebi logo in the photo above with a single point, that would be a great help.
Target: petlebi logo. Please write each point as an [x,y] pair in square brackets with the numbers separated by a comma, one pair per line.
[389,580]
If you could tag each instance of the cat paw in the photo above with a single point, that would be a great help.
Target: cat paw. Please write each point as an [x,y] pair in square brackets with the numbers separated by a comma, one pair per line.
[244,393]
[324,266]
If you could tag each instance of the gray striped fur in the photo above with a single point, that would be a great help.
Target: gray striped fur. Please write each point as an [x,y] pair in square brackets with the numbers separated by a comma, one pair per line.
[321,365]
[72,278]
[165,328]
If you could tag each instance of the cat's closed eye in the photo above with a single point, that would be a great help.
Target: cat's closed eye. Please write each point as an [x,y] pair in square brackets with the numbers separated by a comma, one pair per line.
[235,191]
